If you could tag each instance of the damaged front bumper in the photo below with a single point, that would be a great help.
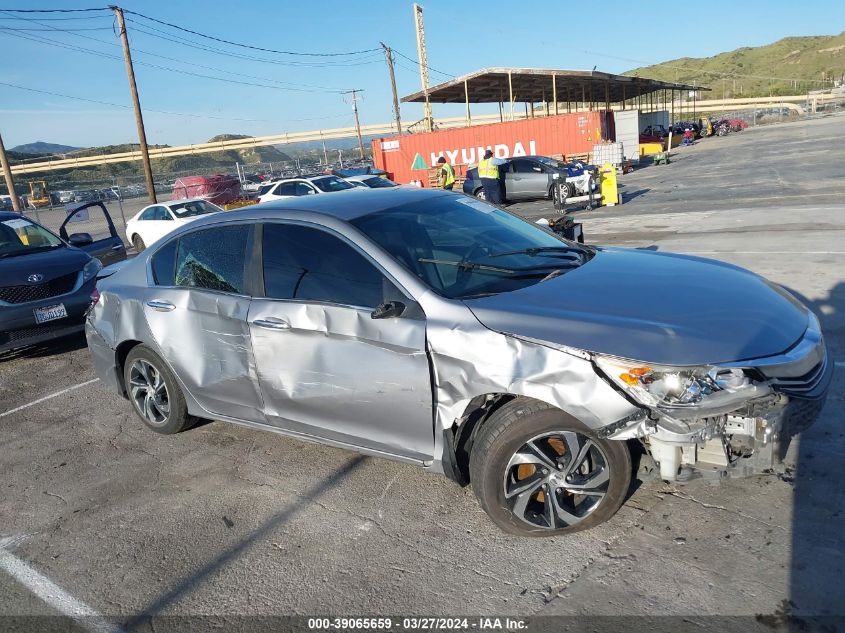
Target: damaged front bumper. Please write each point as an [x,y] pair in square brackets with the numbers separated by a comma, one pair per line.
[741,432]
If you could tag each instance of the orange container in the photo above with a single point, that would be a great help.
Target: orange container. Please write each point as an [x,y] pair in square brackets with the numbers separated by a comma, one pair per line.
[406,158]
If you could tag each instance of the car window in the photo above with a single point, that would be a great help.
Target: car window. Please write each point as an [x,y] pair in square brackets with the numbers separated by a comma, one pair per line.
[19,236]
[213,258]
[163,264]
[148,214]
[459,246]
[93,220]
[303,189]
[524,166]
[193,208]
[377,182]
[264,189]
[332,183]
[161,213]
[309,264]
[286,189]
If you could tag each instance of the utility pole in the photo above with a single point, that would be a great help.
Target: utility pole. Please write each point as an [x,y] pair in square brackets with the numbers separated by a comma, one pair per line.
[422,58]
[388,54]
[354,94]
[133,89]
[7,173]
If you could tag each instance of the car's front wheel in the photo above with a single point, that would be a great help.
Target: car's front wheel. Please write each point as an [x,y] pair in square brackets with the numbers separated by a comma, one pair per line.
[480,194]
[154,392]
[539,472]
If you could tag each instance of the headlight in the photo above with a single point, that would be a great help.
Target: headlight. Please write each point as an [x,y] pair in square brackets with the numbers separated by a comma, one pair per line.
[656,385]
[91,269]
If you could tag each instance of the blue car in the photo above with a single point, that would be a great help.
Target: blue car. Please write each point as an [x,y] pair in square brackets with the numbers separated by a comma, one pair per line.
[46,280]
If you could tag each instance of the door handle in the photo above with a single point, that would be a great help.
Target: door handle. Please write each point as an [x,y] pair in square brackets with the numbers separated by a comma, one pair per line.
[161,305]
[272,324]
[117,247]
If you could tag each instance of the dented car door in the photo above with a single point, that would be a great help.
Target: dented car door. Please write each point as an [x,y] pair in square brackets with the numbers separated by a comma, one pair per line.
[197,311]
[326,366]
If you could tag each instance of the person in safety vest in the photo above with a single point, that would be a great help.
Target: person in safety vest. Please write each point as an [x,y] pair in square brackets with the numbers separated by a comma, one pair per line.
[446,174]
[488,173]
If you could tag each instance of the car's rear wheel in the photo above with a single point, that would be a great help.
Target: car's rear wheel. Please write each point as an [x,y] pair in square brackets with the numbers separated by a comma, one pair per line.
[537,471]
[138,243]
[154,392]
[479,193]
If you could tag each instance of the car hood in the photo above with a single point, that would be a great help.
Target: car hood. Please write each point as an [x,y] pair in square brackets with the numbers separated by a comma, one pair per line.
[653,307]
[14,271]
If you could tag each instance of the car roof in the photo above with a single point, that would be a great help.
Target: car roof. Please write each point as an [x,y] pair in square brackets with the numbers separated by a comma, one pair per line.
[344,205]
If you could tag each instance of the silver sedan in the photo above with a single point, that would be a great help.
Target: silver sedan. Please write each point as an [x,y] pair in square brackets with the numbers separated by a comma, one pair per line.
[435,329]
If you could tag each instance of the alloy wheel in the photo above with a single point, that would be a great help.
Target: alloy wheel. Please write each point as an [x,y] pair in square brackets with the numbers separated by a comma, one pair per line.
[555,480]
[149,392]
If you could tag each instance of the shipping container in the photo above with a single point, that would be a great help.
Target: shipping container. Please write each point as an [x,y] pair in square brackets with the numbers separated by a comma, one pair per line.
[406,158]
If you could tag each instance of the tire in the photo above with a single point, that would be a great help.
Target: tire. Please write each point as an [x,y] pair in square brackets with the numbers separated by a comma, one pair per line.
[138,243]
[567,186]
[520,497]
[154,392]
[479,193]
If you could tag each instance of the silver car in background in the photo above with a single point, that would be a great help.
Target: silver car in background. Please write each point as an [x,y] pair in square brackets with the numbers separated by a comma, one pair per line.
[435,329]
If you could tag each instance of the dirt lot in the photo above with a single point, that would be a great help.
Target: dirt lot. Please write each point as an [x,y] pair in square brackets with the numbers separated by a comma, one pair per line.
[102,516]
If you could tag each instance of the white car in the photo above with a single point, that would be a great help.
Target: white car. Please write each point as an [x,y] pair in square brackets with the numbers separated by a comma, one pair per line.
[371,181]
[295,187]
[155,221]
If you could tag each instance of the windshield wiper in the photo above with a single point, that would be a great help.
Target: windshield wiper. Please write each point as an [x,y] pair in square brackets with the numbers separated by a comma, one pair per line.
[501,269]
[467,265]
[536,250]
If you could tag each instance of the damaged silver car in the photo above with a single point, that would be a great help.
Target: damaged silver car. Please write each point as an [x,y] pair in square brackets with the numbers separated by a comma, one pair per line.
[438,330]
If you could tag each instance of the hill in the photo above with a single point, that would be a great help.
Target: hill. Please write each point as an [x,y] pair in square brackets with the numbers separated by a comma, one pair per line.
[793,65]
[199,164]
[40,147]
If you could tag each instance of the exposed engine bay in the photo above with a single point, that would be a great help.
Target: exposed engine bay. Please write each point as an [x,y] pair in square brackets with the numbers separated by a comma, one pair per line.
[718,423]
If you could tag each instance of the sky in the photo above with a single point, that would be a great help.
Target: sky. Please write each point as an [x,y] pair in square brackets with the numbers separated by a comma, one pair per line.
[39,51]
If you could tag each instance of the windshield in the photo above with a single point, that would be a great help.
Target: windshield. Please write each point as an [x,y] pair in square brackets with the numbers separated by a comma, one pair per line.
[331,183]
[19,236]
[193,208]
[462,247]
[551,162]
[376,182]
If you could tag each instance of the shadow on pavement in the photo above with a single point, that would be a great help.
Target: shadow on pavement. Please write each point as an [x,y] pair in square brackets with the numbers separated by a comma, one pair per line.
[817,567]
[146,619]
[69,343]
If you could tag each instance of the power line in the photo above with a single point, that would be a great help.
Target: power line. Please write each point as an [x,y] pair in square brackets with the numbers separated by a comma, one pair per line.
[56,10]
[256,48]
[411,59]
[163,35]
[123,105]
[90,28]
[44,40]
[75,17]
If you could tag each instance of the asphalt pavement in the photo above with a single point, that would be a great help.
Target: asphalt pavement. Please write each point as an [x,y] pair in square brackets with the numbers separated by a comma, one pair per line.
[101,516]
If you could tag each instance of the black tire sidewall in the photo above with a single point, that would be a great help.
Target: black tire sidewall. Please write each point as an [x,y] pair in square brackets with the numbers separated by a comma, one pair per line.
[487,467]
[178,419]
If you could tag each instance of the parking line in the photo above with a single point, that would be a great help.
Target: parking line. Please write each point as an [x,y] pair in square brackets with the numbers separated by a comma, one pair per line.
[53,595]
[52,395]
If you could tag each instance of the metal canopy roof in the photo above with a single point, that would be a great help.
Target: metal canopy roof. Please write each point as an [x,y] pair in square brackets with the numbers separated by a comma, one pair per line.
[532,85]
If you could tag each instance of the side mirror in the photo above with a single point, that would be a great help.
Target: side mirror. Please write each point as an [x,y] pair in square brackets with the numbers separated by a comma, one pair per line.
[388,310]
[80,239]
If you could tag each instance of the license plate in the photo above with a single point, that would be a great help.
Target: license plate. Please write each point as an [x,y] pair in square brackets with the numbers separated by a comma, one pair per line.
[50,313]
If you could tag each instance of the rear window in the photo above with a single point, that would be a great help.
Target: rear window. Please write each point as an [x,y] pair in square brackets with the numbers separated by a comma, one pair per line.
[213,259]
